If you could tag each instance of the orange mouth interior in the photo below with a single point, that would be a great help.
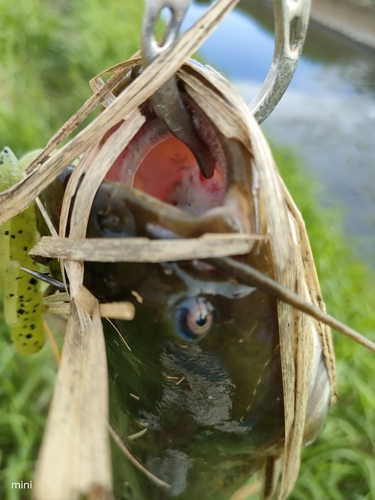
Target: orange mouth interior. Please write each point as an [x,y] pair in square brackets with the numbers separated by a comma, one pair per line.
[170,173]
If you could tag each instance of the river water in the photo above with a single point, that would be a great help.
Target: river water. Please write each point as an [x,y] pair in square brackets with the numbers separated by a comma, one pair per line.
[327,114]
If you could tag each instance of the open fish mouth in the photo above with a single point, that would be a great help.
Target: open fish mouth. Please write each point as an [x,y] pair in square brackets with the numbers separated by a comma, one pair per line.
[162,168]
[155,187]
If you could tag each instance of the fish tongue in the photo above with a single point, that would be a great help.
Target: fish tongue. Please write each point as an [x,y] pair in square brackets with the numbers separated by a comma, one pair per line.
[151,217]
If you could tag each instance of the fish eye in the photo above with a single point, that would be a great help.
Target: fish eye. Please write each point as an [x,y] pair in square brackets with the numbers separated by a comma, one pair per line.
[193,318]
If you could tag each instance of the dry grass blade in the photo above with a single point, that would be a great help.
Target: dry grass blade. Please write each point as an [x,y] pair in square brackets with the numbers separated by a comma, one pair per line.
[102,90]
[58,297]
[312,283]
[142,249]
[98,170]
[116,310]
[63,309]
[75,457]
[119,441]
[251,276]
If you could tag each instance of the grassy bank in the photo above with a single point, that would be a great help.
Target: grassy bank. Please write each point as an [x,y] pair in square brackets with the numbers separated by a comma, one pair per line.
[48,52]
[340,464]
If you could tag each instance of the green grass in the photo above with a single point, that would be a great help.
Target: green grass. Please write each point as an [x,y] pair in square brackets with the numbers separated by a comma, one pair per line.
[25,392]
[341,463]
[48,52]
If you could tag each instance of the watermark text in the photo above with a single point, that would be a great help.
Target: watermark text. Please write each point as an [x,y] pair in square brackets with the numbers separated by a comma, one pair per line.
[22,485]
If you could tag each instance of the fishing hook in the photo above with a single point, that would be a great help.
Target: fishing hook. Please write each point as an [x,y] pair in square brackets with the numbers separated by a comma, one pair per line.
[167,101]
[59,285]
[291,22]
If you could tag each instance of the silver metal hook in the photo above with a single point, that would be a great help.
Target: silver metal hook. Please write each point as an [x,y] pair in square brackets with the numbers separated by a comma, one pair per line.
[167,101]
[291,22]
[59,285]
[150,46]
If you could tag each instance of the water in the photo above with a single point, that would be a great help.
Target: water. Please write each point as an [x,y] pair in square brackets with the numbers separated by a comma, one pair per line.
[327,114]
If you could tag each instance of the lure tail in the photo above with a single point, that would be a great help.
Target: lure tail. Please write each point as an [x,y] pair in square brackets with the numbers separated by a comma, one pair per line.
[23,301]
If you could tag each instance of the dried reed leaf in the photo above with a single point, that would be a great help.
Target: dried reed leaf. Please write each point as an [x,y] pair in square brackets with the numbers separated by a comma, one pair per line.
[120,69]
[118,310]
[116,143]
[74,270]
[58,297]
[46,217]
[315,295]
[62,308]
[75,456]
[142,249]
[102,91]
[70,191]
[114,310]
[86,300]
[303,349]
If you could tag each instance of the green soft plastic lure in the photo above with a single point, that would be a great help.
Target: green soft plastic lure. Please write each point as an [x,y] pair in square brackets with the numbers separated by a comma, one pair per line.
[23,302]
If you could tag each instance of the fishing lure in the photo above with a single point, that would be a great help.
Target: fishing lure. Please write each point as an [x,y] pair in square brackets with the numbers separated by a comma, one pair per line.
[23,303]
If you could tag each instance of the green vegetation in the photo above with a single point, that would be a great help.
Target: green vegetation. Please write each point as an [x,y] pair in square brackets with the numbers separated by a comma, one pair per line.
[48,52]
[340,463]
[25,392]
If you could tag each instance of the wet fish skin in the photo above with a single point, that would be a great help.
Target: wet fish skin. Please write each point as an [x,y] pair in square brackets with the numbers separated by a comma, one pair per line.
[211,425]
[221,421]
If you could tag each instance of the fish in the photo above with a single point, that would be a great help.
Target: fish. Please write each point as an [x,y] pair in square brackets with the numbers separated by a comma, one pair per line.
[197,392]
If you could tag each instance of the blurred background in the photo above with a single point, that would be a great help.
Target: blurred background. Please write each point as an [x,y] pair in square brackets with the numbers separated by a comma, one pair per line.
[323,137]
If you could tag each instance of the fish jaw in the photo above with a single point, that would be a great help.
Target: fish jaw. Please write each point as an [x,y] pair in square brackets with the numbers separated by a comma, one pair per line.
[158,164]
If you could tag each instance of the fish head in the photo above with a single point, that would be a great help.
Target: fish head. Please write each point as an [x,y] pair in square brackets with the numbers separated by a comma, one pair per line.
[195,378]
